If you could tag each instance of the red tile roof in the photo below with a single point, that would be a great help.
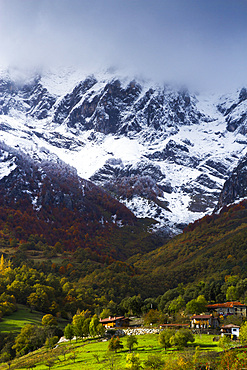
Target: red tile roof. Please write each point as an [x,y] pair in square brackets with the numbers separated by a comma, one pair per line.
[226,305]
[229,326]
[201,317]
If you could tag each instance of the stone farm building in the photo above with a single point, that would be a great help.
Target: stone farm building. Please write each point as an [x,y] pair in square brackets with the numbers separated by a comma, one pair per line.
[228,308]
[204,322]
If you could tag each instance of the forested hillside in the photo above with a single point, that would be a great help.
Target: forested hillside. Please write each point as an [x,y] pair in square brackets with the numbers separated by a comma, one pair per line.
[47,207]
[207,263]
[208,251]
[211,247]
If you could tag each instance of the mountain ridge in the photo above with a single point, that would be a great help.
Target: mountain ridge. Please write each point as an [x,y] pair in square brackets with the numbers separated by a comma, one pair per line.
[48,201]
[163,152]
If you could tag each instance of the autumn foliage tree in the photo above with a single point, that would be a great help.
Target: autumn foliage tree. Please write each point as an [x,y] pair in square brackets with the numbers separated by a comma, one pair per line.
[115,344]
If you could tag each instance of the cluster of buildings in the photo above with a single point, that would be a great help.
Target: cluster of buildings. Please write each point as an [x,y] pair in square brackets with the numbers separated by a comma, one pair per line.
[205,322]
[217,312]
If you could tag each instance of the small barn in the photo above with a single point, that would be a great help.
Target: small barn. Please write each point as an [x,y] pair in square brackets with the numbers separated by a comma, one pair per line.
[230,330]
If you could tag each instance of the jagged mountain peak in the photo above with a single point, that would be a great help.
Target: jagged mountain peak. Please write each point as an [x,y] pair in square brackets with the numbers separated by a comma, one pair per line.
[162,150]
[234,108]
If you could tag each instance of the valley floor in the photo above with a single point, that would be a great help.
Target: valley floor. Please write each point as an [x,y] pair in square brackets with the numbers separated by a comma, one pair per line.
[93,354]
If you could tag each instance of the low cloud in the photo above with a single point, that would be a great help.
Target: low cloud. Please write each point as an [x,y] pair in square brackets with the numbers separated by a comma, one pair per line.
[203,42]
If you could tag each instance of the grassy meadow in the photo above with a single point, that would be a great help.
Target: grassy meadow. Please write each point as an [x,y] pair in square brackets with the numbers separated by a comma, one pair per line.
[93,354]
[20,318]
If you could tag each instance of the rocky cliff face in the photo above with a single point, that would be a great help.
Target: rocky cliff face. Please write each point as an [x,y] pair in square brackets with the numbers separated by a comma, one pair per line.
[47,186]
[32,99]
[235,187]
[162,151]
[117,109]
[235,111]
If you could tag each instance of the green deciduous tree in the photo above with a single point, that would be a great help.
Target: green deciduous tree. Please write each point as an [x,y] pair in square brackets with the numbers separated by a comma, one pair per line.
[165,338]
[133,361]
[20,290]
[225,342]
[132,305]
[154,316]
[105,313]
[93,326]
[69,332]
[232,293]
[131,341]
[100,329]
[243,333]
[242,287]
[176,304]
[33,301]
[182,337]
[30,338]
[196,306]
[51,341]
[49,320]
[154,362]
[80,324]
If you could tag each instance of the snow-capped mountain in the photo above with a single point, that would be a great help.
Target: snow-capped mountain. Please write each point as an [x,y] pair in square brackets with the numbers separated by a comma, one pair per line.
[162,151]
[48,185]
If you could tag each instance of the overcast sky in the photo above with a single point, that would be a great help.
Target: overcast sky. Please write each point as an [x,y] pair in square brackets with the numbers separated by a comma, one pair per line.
[200,40]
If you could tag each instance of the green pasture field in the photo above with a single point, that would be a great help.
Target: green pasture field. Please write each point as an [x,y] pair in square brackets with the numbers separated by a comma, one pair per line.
[92,354]
[20,318]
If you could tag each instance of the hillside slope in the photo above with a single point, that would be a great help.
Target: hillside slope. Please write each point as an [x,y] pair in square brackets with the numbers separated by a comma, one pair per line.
[48,211]
[48,202]
[209,249]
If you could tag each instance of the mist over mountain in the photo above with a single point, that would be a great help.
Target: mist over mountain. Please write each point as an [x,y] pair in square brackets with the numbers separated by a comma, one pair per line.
[198,43]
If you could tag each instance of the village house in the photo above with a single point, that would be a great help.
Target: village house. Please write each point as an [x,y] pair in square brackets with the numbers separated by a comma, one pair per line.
[204,322]
[228,308]
[115,322]
[230,330]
